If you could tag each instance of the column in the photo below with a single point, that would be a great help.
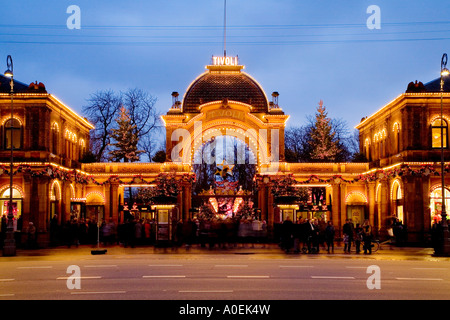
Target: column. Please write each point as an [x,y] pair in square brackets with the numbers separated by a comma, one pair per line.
[187,201]
[384,205]
[371,187]
[114,200]
[343,205]
[335,207]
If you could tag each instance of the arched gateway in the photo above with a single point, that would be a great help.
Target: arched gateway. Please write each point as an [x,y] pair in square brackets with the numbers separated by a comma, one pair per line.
[225,122]
[225,101]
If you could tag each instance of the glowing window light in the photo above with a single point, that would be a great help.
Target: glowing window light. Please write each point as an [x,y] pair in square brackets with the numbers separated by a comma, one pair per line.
[396,190]
[54,196]
[55,126]
[14,117]
[4,191]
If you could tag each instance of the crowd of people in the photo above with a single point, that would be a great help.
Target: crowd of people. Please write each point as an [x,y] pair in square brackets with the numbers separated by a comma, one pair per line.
[140,232]
[304,235]
[309,235]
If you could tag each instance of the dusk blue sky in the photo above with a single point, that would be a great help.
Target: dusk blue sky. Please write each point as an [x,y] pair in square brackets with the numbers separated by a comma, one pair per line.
[306,50]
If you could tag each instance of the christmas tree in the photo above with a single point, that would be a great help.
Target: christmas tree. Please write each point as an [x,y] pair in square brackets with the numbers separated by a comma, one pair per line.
[126,137]
[324,145]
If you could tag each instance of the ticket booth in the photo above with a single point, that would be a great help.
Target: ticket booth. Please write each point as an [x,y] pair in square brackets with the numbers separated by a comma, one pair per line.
[288,211]
[164,215]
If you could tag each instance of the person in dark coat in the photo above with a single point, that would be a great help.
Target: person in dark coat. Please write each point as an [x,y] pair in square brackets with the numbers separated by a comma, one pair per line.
[297,235]
[329,236]
[367,237]
[313,236]
[348,230]
[32,243]
[358,237]
[286,234]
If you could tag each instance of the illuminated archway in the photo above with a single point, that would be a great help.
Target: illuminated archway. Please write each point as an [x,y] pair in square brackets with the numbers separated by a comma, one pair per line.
[356,202]
[95,205]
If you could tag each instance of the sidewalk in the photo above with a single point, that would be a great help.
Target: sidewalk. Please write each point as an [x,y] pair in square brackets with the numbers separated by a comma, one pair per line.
[386,252]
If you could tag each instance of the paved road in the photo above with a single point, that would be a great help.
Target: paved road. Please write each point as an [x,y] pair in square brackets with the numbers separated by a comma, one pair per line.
[246,274]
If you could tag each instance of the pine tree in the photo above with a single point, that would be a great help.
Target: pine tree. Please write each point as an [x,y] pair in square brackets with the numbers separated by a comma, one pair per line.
[324,145]
[126,138]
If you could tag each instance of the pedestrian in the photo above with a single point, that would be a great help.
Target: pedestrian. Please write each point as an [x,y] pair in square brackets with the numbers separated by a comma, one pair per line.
[138,232]
[348,230]
[286,235]
[329,236]
[297,234]
[358,237]
[367,237]
[147,231]
[312,233]
[187,229]
[437,236]
[32,236]
[179,233]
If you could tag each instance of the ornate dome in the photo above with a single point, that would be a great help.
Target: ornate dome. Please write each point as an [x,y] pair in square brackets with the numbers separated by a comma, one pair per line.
[220,83]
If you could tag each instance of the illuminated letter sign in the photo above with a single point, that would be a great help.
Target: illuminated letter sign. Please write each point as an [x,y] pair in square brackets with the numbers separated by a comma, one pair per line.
[225,61]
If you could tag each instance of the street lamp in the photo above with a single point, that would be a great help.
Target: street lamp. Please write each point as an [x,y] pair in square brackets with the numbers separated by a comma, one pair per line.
[446,244]
[9,247]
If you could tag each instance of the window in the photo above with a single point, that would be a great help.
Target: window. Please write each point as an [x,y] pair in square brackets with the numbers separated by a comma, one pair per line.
[367,149]
[396,137]
[13,126]
[55,138]
[437,127]
[397,199]
[82,148]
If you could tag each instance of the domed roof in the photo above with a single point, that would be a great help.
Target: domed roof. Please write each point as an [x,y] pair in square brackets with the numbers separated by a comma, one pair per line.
[218,84]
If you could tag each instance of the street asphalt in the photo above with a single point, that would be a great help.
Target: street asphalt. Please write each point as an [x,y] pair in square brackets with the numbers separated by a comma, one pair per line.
[385,252]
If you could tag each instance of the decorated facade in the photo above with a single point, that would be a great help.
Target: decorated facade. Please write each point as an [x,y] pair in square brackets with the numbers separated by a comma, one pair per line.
[225,159]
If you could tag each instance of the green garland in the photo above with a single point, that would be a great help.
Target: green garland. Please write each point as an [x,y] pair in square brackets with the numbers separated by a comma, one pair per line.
[73,176]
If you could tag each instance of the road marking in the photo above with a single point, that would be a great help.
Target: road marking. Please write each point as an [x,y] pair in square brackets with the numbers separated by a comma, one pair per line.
[421,279]
[166,276]
[250,277]
[331,277]
[205,291]
[165,265]
[296,267]
[36,267]
[101,266]
[80,278]
[231,265]
[7,295]
[98,292]
[1,280]
[350,267]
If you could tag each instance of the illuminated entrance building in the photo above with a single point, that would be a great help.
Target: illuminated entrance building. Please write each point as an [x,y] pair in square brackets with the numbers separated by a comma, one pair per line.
[225,154]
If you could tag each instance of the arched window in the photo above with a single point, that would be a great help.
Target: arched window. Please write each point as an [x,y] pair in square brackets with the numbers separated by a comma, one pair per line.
[397,200]
[82,148]
[12,126]
[55,138]
[396,137]
[367,149]
[436,127]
